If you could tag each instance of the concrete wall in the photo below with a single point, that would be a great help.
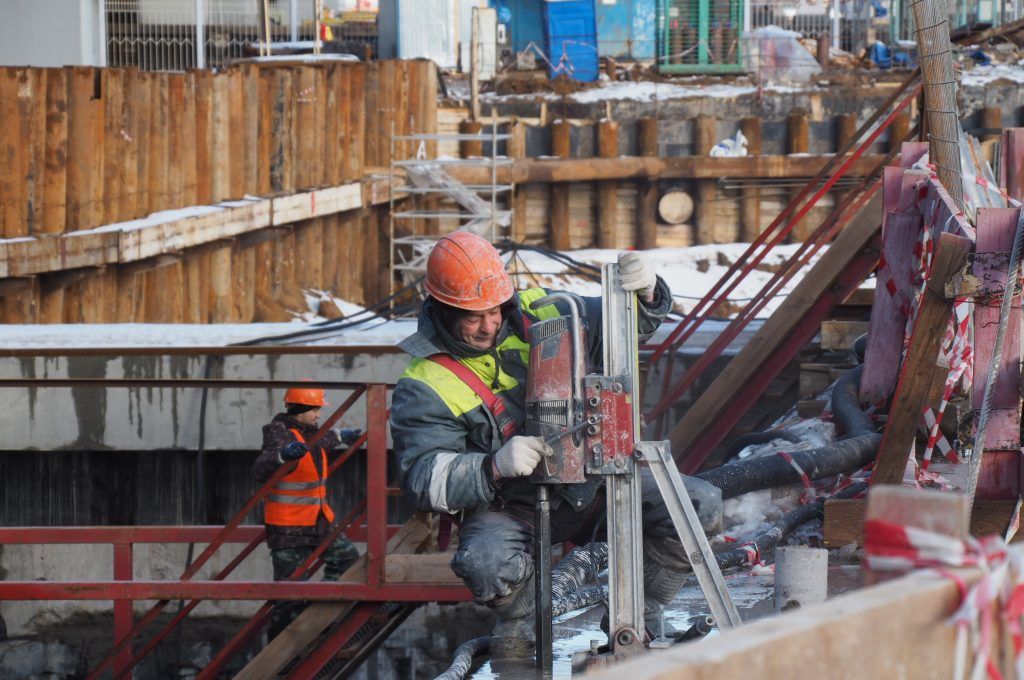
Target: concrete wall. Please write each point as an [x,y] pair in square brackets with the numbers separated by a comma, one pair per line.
[121,419]
[50,33]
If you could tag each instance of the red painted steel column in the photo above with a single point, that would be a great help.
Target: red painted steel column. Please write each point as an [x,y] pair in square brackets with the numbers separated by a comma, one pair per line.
[376,484]
[122,608]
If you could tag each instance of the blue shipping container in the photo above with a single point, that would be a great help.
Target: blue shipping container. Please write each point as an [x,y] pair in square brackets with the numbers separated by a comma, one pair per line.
[571,29]
[627,29]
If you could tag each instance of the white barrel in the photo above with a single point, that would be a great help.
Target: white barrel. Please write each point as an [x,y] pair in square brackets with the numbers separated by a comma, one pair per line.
[801,576]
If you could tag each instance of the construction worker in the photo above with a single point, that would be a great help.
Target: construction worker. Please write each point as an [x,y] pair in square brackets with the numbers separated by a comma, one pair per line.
[296,512]
[458,454]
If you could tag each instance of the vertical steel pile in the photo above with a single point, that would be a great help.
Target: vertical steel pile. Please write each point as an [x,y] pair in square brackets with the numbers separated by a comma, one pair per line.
[936,59]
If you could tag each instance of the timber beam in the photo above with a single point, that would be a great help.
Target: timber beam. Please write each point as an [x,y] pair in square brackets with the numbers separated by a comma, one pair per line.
[670,167]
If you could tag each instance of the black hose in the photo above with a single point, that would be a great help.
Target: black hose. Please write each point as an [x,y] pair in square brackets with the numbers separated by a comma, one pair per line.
[844,455]
[751,438]
[579,599]
[579,567]
[751,551]
[462,660]
[846,405]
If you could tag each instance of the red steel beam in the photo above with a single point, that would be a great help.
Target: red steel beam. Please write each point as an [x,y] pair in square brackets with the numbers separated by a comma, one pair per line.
[198,351]
[376,484]
[175,383]
[846,283]
[219,540]
[123,571]
[326,591]
[146,534]
[684,327]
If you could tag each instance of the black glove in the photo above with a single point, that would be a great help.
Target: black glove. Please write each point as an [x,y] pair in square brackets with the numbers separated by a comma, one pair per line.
[294,451]
[348,436]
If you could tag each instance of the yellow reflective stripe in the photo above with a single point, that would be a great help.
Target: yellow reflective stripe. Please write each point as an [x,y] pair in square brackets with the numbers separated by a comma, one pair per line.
[457,395]
[529,296]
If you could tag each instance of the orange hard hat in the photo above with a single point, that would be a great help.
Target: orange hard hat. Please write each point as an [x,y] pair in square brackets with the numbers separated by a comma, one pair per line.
[465,271]
[307,396]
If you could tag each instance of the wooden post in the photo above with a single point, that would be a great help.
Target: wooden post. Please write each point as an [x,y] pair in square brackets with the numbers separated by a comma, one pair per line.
[916,376]
[252,112]
[220,285]
[55,179]
[704,133]
[305,121]
[471,148]
[281,178]
[750,197]
[85,149]
[798,139]
[176,143]
[517,150]
[203,85]
[559,209]
[647,190]
[899,129]
[236,116]
[992,122]
[608,190]
[1012,162]
[846,127]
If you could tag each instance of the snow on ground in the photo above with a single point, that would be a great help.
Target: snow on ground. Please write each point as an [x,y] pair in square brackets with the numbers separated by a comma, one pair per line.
[689,272]
[646,91]
[979,76]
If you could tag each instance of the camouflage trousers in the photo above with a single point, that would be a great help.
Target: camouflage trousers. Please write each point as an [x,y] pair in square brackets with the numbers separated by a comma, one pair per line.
[338,557]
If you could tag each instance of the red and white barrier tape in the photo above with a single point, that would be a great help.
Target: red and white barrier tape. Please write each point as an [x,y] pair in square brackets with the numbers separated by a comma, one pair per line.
[808,494]
[894,547]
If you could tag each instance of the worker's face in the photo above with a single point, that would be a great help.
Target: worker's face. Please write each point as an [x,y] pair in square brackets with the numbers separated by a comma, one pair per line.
[309,417]
[479,330]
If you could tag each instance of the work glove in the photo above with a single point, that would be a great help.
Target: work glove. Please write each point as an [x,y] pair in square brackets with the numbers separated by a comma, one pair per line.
[348,436]
[293,451]
[636,274]
[519,456]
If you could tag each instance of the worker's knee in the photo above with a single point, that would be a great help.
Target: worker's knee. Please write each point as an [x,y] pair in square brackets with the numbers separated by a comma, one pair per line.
[493,558]
[667,551]
[706,497]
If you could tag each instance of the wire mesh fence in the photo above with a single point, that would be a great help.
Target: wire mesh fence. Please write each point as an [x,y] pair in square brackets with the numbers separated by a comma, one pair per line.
[176,35]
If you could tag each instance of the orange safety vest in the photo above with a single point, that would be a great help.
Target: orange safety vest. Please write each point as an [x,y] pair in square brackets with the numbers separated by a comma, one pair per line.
[296,500]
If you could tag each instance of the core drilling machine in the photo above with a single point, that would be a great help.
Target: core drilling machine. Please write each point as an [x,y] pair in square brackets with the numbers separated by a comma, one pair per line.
[591,420]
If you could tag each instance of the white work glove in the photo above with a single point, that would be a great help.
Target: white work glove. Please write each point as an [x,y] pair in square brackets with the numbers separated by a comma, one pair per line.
[636,274]
[519,456]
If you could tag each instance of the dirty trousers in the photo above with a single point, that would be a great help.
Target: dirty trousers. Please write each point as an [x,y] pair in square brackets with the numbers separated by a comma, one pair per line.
[495,553]
[338,557]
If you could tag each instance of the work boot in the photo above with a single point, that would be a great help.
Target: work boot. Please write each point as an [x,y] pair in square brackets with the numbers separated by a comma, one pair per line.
[660,585]
[513,634]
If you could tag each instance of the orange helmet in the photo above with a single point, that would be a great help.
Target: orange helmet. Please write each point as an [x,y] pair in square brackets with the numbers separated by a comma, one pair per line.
[465,271]
[307,396]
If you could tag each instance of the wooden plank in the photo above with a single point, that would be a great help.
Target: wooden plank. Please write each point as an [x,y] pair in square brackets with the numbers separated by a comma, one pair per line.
[517,149]
[220,138]
[32,111]
[237,134]
[142,104]
[331,101]
[704,138]
[85,150]
[116,159]
[221,309]
[250,77]
[432,569]
[176,141]
[371,113]
[12,219]
[309,204]
[846,127]
[844,520]
[721,393]
[55,177]
[243,295]
[185,145]
[282,149]
[840,335]
[905,623]
[608,190]
[203,85]
[265,131]
[411,538]
[159,145]
[360,88]
[916,375]
[798,142]
[889,313]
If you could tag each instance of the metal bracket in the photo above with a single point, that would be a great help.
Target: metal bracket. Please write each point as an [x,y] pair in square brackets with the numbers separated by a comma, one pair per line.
[658,455]
[608,445]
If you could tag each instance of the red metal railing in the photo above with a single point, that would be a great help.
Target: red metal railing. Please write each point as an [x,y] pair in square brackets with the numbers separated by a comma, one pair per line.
[755,253]
[365,522]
